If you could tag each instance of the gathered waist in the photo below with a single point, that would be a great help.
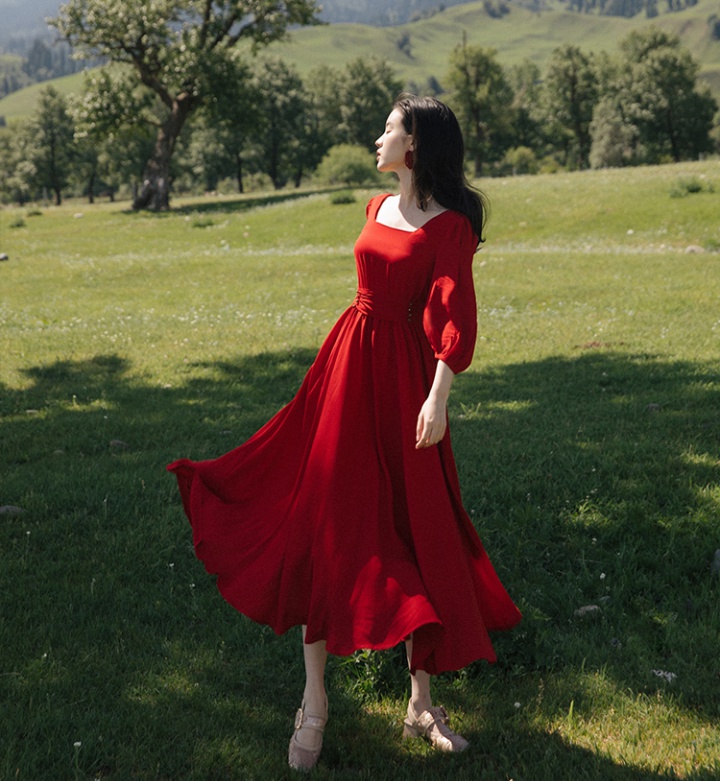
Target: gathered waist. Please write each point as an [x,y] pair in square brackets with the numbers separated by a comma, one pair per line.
[370,303]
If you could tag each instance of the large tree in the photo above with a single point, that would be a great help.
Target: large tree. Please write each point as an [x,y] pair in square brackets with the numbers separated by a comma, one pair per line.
[572,91]
[179,50]
[112,135]
[221,134]
[53,142]
[352,105]
[481,97]
[529,121]
[659,92]
[281,133]
[16,164]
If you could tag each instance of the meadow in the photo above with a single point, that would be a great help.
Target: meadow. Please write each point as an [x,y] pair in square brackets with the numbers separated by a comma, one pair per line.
[587,434]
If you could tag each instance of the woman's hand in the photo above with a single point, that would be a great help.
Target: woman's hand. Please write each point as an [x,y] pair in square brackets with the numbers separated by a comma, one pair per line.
[432,420]
[431,423]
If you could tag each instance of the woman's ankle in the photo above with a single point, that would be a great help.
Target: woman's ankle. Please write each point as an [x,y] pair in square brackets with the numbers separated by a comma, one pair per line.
[316,702]
[420,704]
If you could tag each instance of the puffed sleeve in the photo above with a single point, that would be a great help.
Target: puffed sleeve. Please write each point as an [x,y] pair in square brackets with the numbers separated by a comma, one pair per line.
[450,315]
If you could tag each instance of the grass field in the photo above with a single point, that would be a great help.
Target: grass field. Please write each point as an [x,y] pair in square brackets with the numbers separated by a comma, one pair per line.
[587,433]
[522,34]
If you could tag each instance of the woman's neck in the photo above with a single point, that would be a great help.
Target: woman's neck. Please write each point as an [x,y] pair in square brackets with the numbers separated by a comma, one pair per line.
[408,197]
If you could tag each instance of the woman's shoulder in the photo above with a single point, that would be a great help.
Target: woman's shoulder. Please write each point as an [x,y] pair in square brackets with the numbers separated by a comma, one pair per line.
[454,229]
[375,202]
[455,221]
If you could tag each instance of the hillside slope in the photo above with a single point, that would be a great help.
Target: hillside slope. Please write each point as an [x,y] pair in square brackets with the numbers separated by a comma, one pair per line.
[426,44]
[521,34]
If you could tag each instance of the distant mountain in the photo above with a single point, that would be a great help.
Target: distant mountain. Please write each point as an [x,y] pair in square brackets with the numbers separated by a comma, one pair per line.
[25,19]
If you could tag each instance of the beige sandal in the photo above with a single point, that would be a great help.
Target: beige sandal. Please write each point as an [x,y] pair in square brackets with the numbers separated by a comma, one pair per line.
[432,724]
[301,757]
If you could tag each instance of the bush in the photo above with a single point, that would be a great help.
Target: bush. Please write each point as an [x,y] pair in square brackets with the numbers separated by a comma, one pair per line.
[349,165]
[342,196]
[521,160]
[203,222]
[689,186]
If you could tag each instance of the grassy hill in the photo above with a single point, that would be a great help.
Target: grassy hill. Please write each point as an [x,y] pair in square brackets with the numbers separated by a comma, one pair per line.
[521,34]
[21,104]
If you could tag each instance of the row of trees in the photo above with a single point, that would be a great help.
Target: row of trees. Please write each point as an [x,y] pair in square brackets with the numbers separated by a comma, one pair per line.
[629,8]
[643,106]
[262,118]
[41,60]
[266,124]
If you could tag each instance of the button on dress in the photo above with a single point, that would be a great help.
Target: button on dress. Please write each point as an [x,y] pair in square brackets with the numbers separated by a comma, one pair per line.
[329,516]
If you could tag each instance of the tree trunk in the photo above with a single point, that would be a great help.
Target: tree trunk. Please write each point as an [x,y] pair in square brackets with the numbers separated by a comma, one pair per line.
[239,173]
[672,137]
[154,194]
[91,187]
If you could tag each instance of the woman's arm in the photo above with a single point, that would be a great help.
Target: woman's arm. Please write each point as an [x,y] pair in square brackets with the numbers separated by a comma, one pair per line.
[432,420]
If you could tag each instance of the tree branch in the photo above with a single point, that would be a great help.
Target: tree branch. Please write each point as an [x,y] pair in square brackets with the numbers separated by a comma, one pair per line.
[224,32]
[205,23]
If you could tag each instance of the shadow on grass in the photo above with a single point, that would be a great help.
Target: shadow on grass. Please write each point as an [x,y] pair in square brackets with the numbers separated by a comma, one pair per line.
[232,205]
[592,480]
[595,482]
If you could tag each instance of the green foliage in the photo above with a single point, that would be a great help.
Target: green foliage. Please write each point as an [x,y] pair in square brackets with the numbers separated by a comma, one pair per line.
[12,75]
[181,64]
[528,110]
[342,197]
[658,95]
[347,164]
[53,131]
[480,95]
[521,160]
[280,140]
[571,90]
[685,186]
[613,138]
[352,104]
[269,121]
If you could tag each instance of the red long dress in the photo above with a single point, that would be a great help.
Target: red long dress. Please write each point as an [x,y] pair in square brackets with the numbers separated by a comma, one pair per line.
[328,516]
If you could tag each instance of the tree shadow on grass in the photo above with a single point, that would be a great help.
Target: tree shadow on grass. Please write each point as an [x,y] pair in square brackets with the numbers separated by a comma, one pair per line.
[235,205]
[596,480]
[574,469]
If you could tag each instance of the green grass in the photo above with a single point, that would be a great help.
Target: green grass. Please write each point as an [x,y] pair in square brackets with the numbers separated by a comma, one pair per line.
[586,432]
[522,34]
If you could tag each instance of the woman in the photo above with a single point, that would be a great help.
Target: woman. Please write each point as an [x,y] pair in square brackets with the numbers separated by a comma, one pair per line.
[343,513]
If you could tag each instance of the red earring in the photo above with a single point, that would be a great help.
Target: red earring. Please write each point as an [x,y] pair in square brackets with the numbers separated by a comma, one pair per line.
[409,159]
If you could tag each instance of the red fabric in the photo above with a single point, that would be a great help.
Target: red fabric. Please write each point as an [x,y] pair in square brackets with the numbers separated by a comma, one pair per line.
[328,516]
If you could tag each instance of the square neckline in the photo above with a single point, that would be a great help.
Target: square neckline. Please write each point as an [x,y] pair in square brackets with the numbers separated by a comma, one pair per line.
[402,230]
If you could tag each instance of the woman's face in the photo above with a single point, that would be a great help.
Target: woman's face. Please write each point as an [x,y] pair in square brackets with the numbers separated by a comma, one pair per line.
[393,143]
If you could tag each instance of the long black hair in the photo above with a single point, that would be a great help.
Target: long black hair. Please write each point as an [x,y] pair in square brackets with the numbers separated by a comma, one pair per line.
[438,172]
